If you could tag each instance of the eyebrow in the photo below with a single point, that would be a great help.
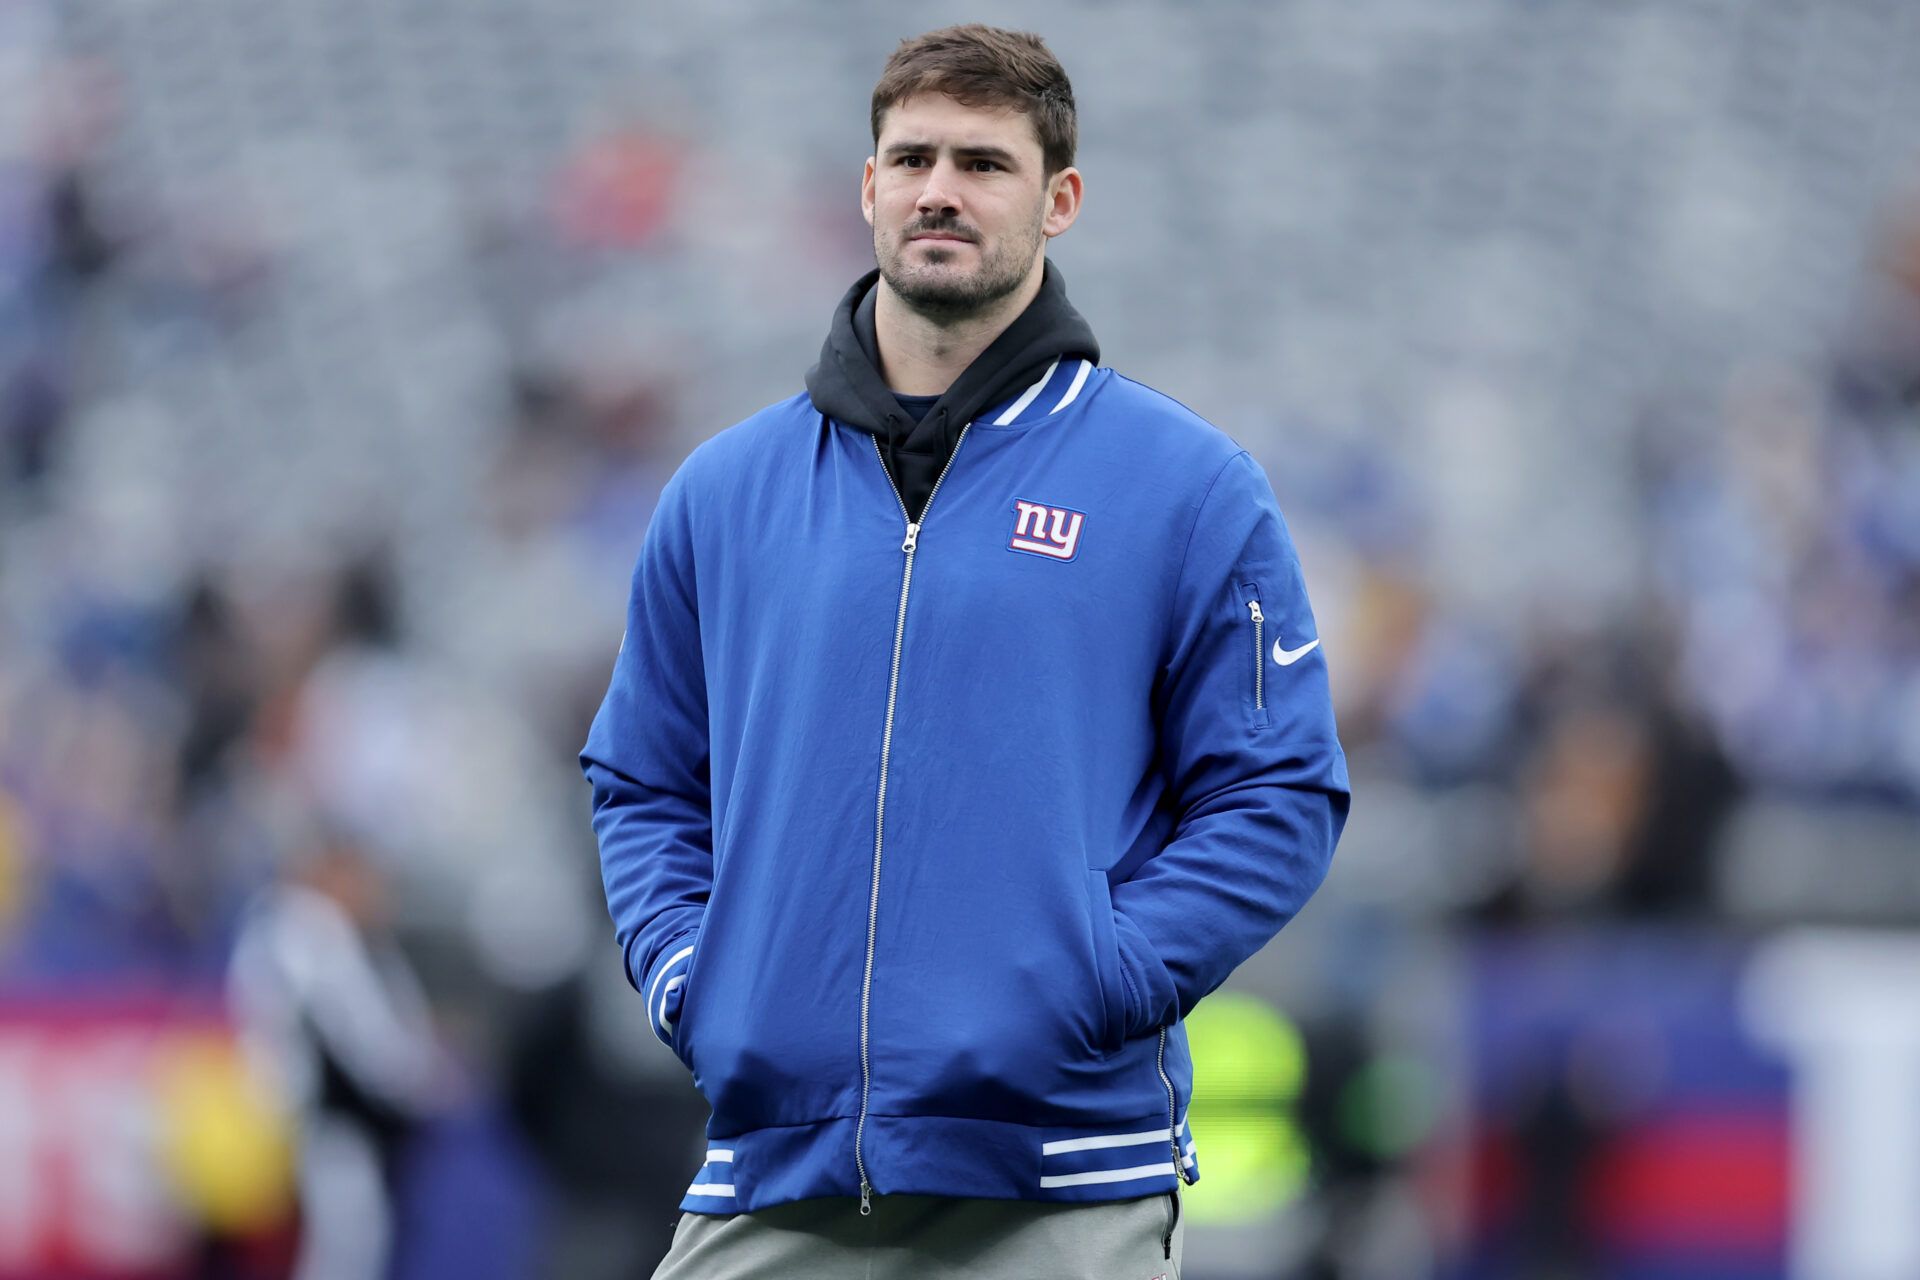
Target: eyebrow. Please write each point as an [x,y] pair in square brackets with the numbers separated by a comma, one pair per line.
[970,151]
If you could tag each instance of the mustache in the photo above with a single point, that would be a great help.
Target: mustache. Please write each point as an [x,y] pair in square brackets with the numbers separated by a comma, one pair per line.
[942,228]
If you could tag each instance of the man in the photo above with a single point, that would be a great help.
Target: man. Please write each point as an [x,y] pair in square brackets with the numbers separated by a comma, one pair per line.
[969,727]
[330,1012]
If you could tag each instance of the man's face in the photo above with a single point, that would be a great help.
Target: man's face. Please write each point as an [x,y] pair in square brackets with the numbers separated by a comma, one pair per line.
[959,205]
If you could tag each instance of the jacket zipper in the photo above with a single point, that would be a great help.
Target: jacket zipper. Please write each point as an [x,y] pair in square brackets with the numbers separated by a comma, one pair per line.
[1173,1104]
[1259,655]
[880,805]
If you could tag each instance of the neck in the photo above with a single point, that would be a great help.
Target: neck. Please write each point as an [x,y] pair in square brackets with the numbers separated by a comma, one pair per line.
[922,355]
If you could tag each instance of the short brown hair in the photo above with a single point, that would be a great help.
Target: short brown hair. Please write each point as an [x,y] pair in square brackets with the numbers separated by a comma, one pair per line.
[983,66]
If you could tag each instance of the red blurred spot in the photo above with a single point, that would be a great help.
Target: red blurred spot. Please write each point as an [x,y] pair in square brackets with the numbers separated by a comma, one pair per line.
[617,193]
[1717,1182]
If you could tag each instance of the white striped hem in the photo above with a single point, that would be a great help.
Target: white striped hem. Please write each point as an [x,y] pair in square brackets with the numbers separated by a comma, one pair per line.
[719,1155]
[1079,381]
[1065,1145]
[1026,397]
[1161,1170]
[1097,1142]
[723,1189]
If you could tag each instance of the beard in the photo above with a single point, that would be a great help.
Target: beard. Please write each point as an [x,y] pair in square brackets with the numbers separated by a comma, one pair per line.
[937,289]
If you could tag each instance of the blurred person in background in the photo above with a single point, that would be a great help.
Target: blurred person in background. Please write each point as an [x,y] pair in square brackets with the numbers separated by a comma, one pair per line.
[1107,766]
[330,1011]
[1877,364]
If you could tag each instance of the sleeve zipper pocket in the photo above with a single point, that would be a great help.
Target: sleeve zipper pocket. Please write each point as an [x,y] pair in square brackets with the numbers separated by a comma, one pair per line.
[1251,593]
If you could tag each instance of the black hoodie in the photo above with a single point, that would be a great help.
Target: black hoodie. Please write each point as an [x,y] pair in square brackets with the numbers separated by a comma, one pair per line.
[846,384]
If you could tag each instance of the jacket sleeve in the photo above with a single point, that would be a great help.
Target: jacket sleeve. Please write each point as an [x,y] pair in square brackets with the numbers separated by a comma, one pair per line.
[1255,774]
[646,757]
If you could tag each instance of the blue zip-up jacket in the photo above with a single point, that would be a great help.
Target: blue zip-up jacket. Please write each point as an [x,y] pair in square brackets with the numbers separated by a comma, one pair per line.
[921,840]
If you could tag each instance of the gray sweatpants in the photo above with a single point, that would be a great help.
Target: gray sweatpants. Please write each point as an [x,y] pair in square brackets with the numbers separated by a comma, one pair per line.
[929,1238]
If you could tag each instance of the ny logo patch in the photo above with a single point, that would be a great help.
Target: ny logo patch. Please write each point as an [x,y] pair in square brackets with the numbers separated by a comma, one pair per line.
[1053,532]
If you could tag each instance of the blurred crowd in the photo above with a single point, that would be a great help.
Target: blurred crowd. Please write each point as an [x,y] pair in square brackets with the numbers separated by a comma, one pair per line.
[1766,652]
[323,466]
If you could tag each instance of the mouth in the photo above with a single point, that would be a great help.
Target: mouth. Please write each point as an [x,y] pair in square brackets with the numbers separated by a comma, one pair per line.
[935,237]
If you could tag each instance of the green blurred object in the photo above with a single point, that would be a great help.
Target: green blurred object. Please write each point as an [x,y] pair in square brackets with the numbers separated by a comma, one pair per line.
[1249,1067]
[13,863]
[1389,1108]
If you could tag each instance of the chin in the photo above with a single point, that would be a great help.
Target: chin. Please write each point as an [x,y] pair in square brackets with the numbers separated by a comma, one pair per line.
[942,295]
[940,287]
[942,298]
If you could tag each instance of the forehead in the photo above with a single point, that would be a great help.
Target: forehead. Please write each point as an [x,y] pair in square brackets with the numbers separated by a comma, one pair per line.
[942,121]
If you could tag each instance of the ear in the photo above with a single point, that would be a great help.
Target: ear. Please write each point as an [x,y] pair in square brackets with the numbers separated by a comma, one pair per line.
[1064,190]
[866,192]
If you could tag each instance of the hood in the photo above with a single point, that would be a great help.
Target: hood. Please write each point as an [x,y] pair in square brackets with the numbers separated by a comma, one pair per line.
[846,384]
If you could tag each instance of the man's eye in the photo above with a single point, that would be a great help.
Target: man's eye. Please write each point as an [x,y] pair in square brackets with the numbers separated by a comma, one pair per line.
[984,166]
[912,162]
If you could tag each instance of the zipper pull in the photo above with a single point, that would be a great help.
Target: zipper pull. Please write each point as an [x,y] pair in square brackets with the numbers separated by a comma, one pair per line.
[1253,607]
[866,1204]
[913,537]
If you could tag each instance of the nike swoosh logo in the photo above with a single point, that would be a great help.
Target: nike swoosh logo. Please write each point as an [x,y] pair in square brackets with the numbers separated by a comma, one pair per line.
[1287,657]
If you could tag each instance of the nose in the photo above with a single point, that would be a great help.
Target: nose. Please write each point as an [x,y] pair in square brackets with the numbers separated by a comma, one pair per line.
[938,194]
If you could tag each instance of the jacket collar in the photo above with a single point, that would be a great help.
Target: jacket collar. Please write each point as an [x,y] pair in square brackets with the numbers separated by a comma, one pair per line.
[1049,342]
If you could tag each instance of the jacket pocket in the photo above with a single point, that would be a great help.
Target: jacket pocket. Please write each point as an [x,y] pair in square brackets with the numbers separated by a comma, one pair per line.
[1106,955]
[669,991]
[684,1020]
